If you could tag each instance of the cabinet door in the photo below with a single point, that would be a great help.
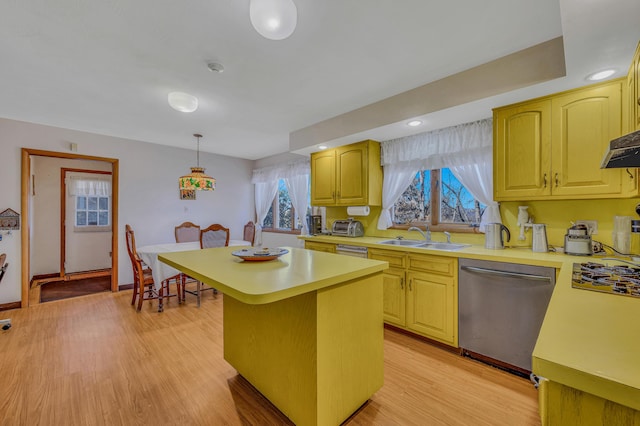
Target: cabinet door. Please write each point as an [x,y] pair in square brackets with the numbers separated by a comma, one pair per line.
[317,246]
[351,176]
[394,299]
[583,124]
[522,151]
[431,306]
[636,94]
[323,178]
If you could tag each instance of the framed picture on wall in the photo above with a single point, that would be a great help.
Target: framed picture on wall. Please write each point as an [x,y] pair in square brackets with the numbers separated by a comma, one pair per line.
[187,194]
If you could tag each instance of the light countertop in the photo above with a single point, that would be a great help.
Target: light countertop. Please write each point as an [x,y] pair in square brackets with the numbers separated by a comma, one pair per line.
[589,340]
[297,272]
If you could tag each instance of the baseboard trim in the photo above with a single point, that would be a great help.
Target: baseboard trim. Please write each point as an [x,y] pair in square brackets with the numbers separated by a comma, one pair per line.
[125,287]
[9,306]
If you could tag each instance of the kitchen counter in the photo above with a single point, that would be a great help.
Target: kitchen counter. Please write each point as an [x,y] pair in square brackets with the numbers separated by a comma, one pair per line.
[304,329]
[589,341]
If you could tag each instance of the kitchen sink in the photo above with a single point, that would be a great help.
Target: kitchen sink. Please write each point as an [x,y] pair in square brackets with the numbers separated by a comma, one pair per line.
[442,246]
[407,243]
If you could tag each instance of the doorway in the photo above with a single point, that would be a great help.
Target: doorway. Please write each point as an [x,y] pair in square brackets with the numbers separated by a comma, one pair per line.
[30,293]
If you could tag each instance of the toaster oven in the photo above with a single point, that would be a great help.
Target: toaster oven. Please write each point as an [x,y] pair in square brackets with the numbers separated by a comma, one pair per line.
[347,228]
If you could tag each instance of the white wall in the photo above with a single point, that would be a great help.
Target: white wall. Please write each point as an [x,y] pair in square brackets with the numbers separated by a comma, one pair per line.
[148,195]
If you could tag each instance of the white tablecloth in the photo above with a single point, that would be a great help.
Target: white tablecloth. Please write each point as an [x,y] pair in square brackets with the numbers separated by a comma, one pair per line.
[161,271]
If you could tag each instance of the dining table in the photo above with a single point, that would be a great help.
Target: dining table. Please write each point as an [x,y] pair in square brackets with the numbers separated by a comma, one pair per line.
[160,270]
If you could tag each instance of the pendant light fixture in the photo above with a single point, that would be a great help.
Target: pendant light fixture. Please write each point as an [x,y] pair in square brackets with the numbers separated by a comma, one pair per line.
[273,19]
[197,179]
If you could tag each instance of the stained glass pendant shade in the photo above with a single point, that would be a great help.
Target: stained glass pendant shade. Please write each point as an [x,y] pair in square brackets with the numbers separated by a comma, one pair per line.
[197,179]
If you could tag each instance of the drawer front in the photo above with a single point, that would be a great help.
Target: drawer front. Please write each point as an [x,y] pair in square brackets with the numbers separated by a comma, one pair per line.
[314,245]
[395,259]
[436,264]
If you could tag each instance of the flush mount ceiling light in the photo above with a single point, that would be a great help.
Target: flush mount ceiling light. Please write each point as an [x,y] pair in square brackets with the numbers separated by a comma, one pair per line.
[197,179]
[322,147]
[183,102]
[414,123]
[273,19]
[601,75]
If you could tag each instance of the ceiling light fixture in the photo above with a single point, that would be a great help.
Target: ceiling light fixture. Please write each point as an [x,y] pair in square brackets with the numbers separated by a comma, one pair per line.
[414,123]
[183,102]
[601,75]
[322,147]
[215,67]
[197,179]
[273,19]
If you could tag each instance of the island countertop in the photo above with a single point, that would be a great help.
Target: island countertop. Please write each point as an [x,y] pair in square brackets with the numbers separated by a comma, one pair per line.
[297,272]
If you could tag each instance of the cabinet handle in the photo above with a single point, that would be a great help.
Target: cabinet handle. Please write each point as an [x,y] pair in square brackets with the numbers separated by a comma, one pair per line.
[401,283]
[410,289]
[556,177]
[638,101]
[544,180]
[333,195]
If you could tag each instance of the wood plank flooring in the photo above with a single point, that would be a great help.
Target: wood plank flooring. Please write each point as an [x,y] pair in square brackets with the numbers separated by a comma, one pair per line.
[93,360]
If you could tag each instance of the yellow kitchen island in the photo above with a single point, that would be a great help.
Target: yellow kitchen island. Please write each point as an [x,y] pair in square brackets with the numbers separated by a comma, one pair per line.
[305,329]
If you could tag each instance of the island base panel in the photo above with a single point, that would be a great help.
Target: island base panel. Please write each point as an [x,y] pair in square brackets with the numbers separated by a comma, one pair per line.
[567,406]
[318,356]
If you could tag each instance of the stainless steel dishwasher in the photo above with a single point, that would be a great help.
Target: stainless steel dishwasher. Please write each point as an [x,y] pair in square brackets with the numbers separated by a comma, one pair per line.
[500,310]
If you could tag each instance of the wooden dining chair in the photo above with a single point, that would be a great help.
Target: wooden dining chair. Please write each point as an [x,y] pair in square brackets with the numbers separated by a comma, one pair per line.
[187,232]
[249,233]
[143,284]
[215,235]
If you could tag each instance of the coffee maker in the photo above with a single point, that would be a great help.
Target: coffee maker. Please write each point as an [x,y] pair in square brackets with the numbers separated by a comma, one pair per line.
[314,223]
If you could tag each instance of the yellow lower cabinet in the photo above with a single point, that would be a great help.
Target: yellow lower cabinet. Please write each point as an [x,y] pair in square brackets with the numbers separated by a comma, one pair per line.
[432,306]
[317,246]
[393,296]
[420,294]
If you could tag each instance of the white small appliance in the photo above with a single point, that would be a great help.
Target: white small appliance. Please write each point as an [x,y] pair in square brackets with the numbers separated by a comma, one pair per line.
[577,241]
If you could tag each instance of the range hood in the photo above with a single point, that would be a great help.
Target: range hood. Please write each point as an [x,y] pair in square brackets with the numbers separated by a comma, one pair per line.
[623,152]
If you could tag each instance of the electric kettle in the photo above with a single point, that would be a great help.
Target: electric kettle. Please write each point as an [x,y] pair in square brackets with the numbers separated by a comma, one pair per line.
[493,235]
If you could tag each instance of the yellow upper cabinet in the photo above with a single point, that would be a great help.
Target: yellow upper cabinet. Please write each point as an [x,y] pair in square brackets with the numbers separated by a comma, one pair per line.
[633,80]
[552,147]
[521,148]
[346,176]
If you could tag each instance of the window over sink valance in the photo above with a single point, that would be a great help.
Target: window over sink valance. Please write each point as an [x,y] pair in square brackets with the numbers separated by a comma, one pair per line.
[466,150]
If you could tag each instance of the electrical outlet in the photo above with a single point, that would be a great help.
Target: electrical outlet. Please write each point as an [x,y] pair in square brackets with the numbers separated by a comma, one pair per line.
[592,226]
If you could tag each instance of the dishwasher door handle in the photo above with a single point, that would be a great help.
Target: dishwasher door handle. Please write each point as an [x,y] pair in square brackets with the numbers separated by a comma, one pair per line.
[520,275]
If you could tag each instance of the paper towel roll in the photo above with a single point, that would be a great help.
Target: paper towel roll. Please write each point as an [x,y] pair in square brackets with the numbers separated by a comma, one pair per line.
[358,211]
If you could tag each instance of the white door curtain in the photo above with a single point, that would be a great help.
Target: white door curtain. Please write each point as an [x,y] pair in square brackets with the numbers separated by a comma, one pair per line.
[466,149]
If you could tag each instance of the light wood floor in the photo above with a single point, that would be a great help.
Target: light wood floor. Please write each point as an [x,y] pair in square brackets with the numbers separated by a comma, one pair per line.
[94,360]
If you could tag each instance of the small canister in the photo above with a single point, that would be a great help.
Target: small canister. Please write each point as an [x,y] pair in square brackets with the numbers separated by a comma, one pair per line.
[635,237]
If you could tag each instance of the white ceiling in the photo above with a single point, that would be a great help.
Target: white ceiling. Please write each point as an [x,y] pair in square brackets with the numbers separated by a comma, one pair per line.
[107,66]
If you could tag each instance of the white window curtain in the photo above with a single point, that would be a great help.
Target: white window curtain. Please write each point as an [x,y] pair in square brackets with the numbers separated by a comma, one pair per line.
[298,187]
[264,193]
[397,177]
[466,149]
[89,187]
[296,177]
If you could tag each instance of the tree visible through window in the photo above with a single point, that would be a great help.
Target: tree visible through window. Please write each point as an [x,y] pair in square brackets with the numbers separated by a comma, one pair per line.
[437,197]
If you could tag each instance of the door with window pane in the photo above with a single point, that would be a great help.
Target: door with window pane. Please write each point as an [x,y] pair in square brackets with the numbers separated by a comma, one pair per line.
[87,227]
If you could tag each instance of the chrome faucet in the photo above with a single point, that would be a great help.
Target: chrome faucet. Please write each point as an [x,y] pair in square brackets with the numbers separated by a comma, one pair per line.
[426,235]
[448,235]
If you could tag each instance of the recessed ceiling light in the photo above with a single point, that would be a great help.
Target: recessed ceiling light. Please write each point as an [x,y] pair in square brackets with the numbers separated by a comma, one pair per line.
[601,75]
[414,123]
[322,147]
[183,102]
